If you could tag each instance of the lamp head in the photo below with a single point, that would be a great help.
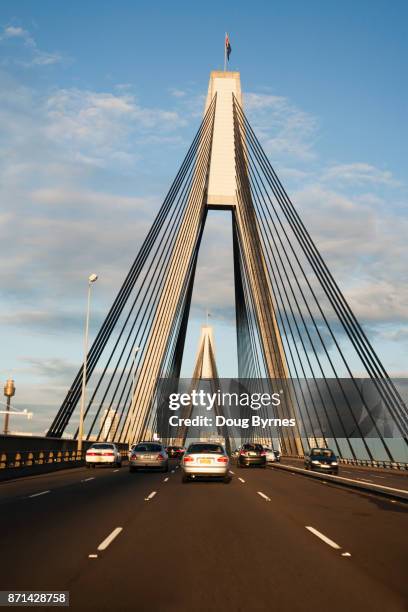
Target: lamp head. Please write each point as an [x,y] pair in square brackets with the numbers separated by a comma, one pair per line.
[92,278]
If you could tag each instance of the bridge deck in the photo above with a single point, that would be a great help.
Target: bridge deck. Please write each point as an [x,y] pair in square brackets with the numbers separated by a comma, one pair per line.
[203,546]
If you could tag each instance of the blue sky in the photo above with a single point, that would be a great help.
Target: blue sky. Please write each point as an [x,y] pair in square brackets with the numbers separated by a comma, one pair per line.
[99,101]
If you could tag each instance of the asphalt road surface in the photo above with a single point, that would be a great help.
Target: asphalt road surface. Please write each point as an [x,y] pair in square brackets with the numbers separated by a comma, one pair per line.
[268,540]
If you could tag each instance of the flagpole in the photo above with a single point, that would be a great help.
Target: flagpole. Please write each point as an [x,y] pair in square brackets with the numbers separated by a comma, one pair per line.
[225,52]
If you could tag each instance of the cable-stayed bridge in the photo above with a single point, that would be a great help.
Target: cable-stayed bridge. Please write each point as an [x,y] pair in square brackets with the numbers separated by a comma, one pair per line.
[282,537]
[293,322]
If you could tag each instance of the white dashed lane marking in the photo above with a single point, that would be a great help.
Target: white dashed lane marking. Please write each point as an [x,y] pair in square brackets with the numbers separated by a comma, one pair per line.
[322,537]
[103,545]
[265,497]
[38,494]
[150,496]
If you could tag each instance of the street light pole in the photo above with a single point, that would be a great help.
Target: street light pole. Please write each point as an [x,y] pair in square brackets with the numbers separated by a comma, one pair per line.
[9,391]
[92,278]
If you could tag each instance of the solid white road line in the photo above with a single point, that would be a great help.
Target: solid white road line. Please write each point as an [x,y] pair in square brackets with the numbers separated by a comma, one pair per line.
[231,472]
[377,486]
[150,496]
[266,498]
[323,537]
[116,470]
[93,556]
[38,494]
[241,479]
[166,479]
[103,545]
[346,554]
[88,479]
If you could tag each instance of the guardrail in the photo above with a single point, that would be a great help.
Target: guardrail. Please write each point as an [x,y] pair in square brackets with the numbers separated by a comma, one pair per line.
[21,459]
[391,465]
[26,456]
[393,493]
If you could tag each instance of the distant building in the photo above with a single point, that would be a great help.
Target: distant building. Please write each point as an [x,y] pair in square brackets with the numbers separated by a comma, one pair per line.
[109,425]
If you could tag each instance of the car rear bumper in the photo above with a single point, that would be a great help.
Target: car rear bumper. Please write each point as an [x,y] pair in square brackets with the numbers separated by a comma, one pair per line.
[147,464]
[101,460]
[206,470]
[247,461]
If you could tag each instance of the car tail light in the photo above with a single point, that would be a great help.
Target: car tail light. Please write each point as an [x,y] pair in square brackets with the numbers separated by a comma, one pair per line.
[242,452]
[222,459]
[187,459]
[263,453]
[110,454]
[134,457]
[89,453]
[160,456]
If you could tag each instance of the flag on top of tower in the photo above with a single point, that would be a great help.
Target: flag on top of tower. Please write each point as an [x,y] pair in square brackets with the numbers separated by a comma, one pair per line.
[227,46]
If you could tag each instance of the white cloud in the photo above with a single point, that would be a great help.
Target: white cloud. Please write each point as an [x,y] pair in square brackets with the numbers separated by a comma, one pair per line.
[177,93]
[359,173]
[365,248]
[100,127]
[14,32]
[36,57]
[284,130]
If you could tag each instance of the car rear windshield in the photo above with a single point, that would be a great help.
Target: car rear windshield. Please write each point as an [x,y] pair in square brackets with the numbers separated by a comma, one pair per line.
[322,452]
[253,447]
[206,448]
[155,448]
[103,446]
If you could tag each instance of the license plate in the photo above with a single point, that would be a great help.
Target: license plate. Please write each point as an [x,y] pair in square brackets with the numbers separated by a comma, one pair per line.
[252,454]
[206,461]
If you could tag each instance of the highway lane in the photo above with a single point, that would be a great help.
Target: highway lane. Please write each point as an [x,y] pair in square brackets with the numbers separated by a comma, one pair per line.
[30,485]
[207,546]
[46,535]
[372,527]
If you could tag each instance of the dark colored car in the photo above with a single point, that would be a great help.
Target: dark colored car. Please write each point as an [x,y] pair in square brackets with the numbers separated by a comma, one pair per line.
[251,454]
[321,460]
[175,452]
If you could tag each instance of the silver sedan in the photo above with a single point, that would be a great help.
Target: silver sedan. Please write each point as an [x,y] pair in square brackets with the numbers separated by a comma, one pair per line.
[205,459]
[148,455]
